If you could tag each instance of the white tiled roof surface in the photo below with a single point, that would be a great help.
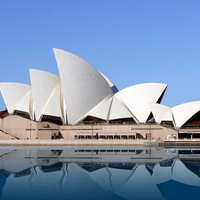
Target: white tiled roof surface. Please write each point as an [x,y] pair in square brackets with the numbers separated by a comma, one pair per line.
[16,96]
[161,112]
[83,86]
[46,93]
[182,113]
[137,97]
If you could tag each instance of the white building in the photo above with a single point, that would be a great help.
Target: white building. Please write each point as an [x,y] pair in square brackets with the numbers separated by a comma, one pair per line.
[82,94]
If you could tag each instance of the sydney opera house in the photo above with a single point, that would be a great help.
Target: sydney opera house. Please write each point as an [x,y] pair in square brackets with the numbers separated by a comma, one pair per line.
[83,103]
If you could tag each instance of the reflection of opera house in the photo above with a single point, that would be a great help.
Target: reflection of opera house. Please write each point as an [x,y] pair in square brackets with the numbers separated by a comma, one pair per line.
[82,103]
[107,172]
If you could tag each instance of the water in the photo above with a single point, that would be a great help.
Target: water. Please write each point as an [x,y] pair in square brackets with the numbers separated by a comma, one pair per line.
[94,172]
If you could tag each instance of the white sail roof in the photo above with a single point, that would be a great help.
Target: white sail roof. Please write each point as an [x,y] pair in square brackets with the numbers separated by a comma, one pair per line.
[118,110]
[137,97]
[161,112]
[16,96]
[102,110]
[46,93]
[83,86]
[182,113]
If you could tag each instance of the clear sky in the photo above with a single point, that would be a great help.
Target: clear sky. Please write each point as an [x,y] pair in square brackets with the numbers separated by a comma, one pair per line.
[130,41]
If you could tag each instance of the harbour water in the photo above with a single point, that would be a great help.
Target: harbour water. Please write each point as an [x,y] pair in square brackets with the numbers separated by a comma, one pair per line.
[99,172]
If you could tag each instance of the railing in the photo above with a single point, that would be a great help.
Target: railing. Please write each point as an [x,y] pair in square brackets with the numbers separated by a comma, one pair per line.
[115,124]
[9,134]
[190,127]
[167,126]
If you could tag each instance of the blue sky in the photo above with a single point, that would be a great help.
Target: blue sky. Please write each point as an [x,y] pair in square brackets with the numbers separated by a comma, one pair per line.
[130,41]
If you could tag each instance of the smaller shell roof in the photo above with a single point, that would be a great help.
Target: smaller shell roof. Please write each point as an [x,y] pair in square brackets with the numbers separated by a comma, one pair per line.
[161,112]
[14,94]
[183,112]
[46,93]
[137,97]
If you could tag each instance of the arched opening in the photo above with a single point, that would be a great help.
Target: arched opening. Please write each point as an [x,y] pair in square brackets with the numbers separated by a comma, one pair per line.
[167,124]
[151,118]
[89,120]
[22,114]
[193,122]
[122,121]
[188,129]
[52,119]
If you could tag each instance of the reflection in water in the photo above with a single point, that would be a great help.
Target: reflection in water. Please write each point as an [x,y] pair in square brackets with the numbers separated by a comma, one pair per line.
[113,172]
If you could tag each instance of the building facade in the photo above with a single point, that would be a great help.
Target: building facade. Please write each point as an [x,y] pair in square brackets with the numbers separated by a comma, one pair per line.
[81,96]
